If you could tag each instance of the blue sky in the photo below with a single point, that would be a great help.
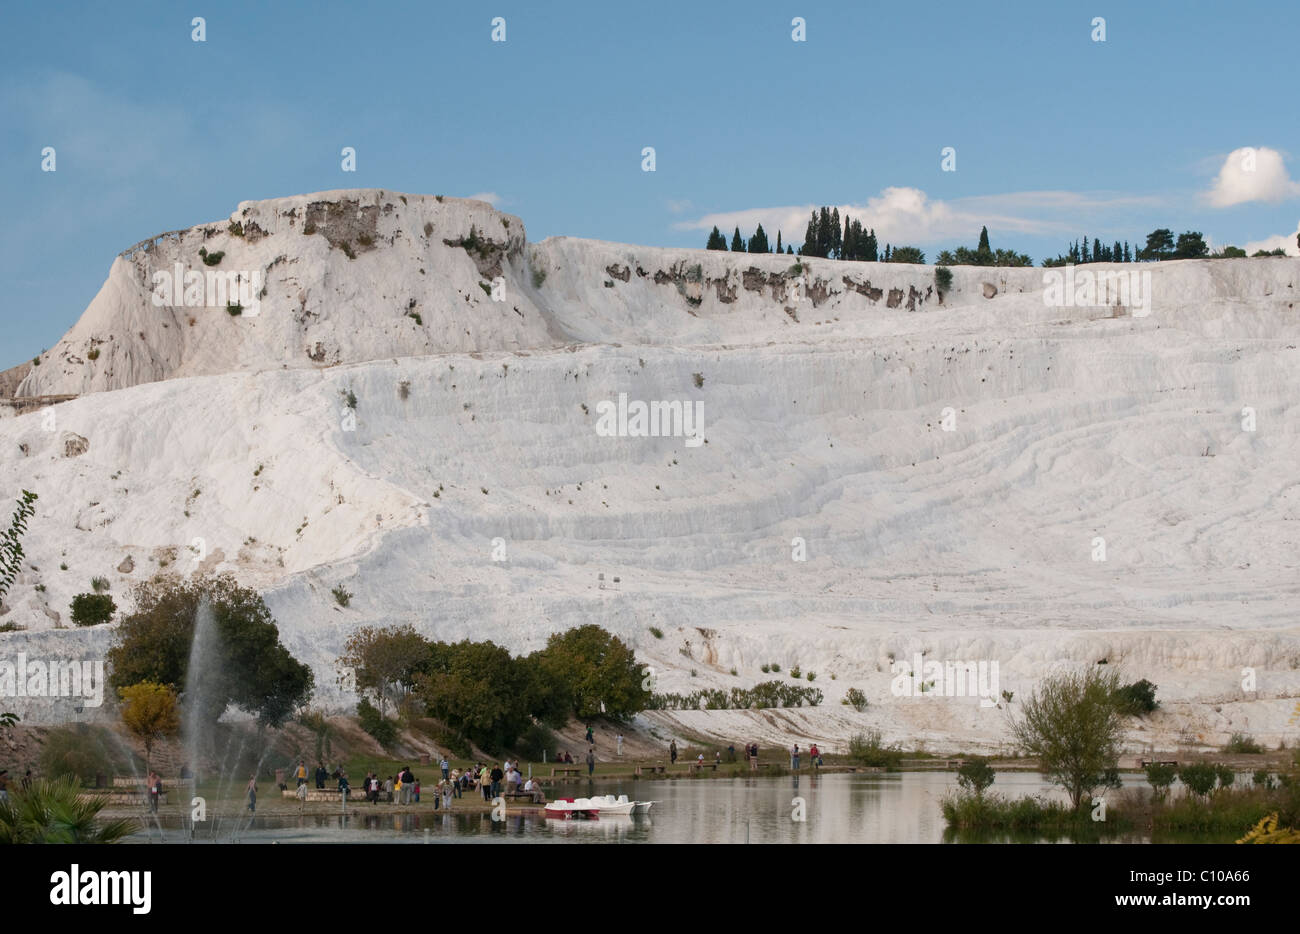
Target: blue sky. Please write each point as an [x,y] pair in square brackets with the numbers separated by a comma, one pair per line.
[1056,136]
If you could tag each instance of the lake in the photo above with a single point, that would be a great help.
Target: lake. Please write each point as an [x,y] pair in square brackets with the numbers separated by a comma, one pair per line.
[900,807]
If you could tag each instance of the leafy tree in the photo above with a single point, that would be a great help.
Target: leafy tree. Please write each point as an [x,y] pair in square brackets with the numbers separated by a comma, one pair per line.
[149,712]
[91,609]
[737,244]
[597,669]
[1160,245]
[480,691]
[975,775]
[1191,245]
[1231,252]
[386,661]
[11,549]
[1072,726]
[1160,777]
[55,811]
[758,242]
[251,670]
[1199,778]
[716,240]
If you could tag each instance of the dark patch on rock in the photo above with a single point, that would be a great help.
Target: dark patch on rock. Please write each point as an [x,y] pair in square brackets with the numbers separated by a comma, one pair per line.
[346,224]
[864,288]
[622,273]
[726,293]
[990,289]
[753,279]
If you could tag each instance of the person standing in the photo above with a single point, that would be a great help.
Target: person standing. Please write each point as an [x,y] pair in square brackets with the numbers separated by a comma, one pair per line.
[672,752]
[752,750]
[813,756]
[252,794]
[448,788]
[344,787]
[794,757]
[497,775]
[300,773]
[321,775]
[446,768]
[591,738]
[591,760]
[484,783]
[155,791]
[619,740]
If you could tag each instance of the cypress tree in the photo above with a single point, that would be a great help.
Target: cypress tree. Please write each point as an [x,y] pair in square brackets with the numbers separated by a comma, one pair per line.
[778,241]
[837,241]
[983,249]
[716,240]
[737,244]
[758,242]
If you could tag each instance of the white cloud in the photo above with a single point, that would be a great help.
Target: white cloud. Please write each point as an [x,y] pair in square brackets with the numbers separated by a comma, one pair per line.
[1285,241]
[1252,174]
[491,197]
[679,207]
[909,215]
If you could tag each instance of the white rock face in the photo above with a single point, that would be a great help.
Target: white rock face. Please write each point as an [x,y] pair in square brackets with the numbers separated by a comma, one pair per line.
[470,494]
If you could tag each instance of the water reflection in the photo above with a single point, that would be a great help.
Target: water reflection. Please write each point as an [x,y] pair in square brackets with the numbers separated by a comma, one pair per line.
[836,808]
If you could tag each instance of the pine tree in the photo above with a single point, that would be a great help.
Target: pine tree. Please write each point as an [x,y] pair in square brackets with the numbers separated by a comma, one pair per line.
[837,241]
[824,233]
[758,242]
[778,241]
[846,242]
[809,247]
[737,244]
[716,240]
[871,254]
[1116,253]
[1083,255]
[1128,257]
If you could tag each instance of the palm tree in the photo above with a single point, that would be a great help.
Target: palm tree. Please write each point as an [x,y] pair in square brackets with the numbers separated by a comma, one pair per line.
[55,811]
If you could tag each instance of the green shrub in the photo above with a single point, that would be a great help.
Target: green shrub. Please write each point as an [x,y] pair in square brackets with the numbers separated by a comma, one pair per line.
[92,353]
[236,229]
[376,724]
[855,699]
[211,259]
[99,584]
[699,380]
[1243,744]
[91,609]
[234,309]
[868,749]
[80,751]
[341,595]
[1137,699]
[765,668]
[795,672]
[656,632]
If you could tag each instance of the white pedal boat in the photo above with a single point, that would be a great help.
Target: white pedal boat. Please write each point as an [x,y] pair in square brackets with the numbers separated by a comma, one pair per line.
[599,806]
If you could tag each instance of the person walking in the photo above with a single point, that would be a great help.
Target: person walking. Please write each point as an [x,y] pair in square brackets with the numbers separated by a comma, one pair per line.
[591,761]
[252,794]
[300,773]
[672,752]
[448,789]
[591,738]
[446,768]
